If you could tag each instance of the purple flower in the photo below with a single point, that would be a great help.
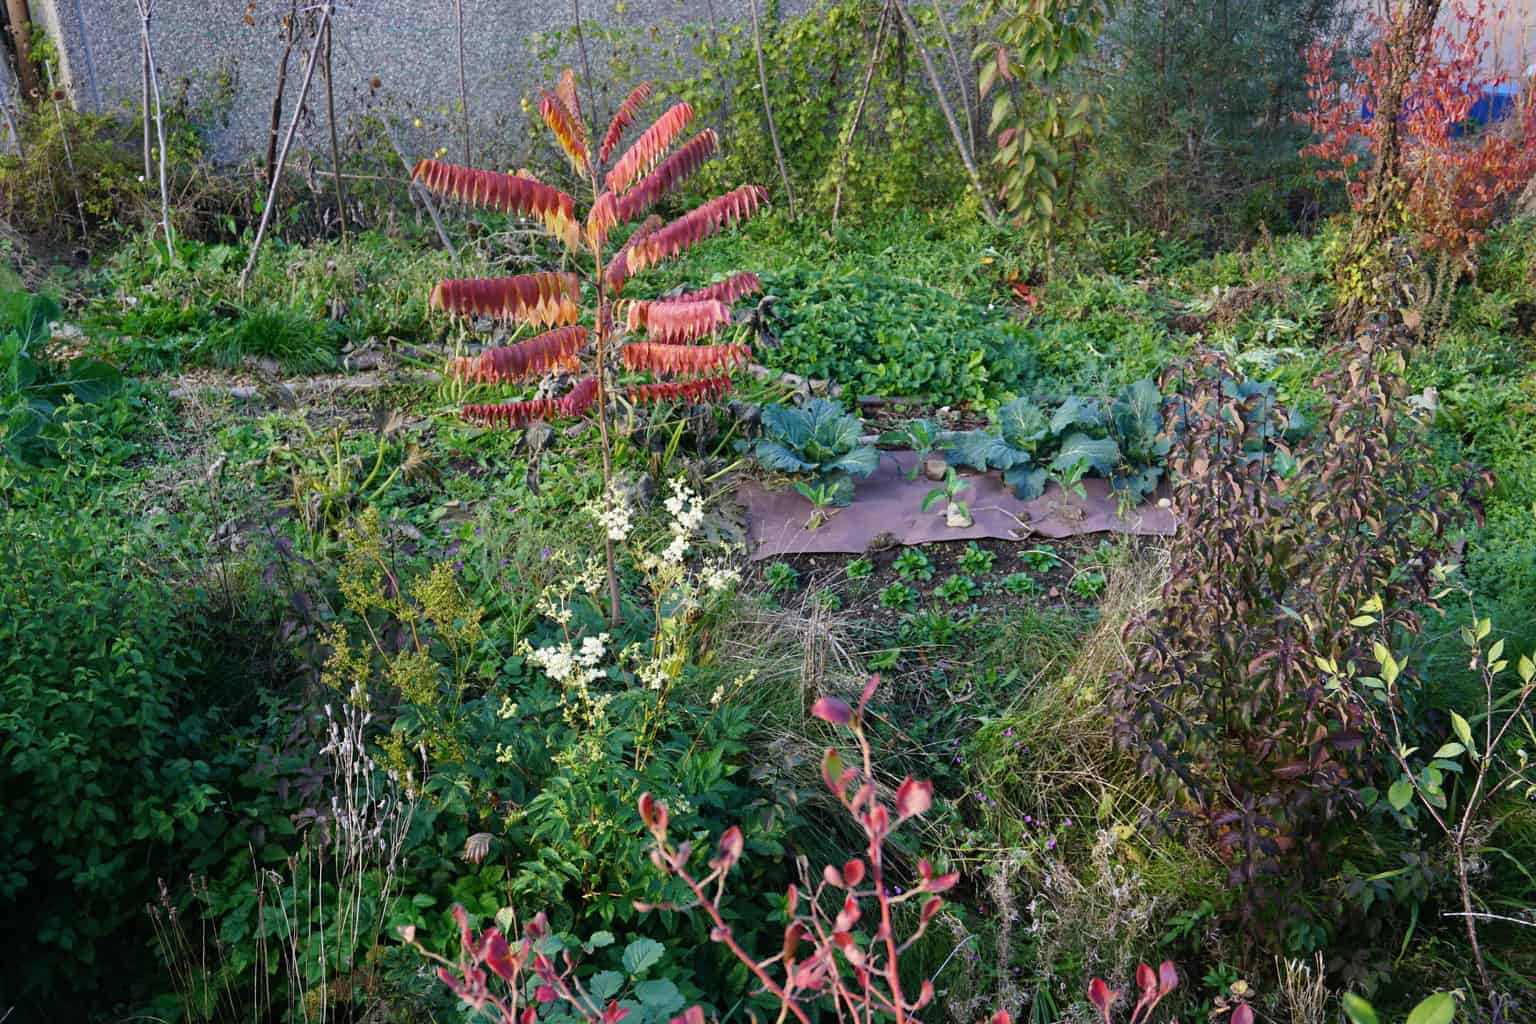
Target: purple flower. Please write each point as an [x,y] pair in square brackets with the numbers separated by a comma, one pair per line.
[1028,820]
[1069,823]
[1051,843]
[544,555]
[1008,731]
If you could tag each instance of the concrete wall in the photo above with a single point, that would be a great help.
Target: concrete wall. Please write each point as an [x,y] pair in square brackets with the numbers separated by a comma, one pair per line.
[223,54]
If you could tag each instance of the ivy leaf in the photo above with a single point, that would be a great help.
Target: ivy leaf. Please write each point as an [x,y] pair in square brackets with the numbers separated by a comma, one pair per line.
[1101,454]
[1400,794]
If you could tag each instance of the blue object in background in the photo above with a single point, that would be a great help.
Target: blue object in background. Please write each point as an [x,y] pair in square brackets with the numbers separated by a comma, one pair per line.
[1493,103]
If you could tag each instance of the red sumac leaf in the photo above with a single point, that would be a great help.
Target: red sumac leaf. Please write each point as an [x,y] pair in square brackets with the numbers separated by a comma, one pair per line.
[556,349]
[652,144]
[543,300]
[508,193]
[623,118]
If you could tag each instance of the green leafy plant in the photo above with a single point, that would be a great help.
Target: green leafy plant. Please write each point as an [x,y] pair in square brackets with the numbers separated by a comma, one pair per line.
[1021,584]
[922,436]
[781,577]
[824,496]
[877,335]
[35,391]
[1039,559]
[817,439]
[827,600]
[1043,131]
[933,628]
[913,564]
[1483,757]
[1118,440]
[1088,585]
[898,595]
[957,513]
[1439,1008]
[860,569]
[976,559]
[956,589]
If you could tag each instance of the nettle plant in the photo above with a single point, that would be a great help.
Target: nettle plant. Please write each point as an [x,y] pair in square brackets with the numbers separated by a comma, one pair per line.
[590,335]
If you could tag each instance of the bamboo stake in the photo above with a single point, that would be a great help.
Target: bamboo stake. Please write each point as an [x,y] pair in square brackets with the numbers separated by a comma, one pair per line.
[282,155]
[330,111]
[858,111]
[146,11]
[949,115]
[773,130]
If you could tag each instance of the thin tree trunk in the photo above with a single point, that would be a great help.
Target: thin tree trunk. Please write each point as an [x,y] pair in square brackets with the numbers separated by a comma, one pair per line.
[586,65]
[858,110]
[458,17]
[275,125]
[149,145]
[773,130]
[282,153]
[1384,186]
[949,115]
[20,18]
[69,159]
[330,112]
[10,116]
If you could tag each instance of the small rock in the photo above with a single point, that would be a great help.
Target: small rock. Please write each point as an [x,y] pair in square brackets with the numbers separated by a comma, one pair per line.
[935,467]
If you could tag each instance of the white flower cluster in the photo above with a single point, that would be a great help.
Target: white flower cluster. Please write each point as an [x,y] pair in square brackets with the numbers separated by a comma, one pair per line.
[687,511]
[613,514]
[718,575]
[569,666]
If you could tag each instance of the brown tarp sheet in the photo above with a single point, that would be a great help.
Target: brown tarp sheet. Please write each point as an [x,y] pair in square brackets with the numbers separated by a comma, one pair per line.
[886,506]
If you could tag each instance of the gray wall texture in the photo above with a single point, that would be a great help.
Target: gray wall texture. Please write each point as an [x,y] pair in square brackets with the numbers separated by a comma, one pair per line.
[223,55]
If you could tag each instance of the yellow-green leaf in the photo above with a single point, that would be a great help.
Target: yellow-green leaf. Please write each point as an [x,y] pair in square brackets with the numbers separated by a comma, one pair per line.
[1439,1008]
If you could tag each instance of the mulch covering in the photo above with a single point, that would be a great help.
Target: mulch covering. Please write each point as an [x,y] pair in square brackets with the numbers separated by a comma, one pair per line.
[888,510]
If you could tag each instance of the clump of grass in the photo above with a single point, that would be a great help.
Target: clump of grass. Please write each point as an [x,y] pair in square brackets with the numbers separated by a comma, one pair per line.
[296,342]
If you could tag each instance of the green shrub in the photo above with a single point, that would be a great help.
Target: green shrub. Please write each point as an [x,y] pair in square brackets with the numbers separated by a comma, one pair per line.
[110,754]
